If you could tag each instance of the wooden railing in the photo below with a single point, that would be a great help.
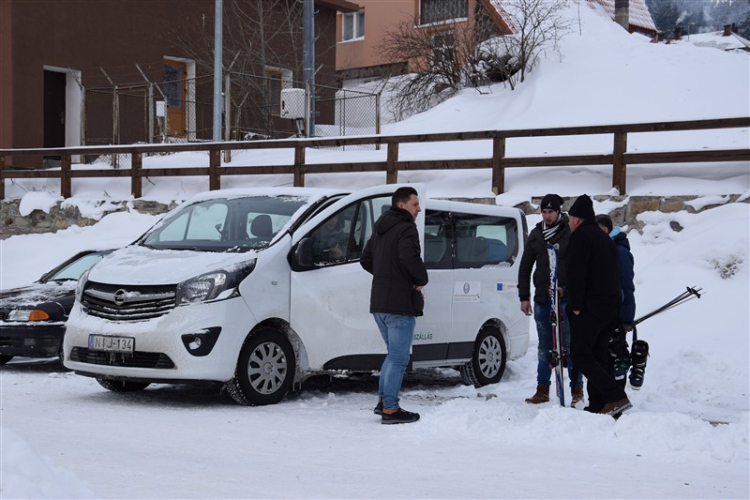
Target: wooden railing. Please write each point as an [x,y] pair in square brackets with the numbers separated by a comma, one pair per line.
[619,158]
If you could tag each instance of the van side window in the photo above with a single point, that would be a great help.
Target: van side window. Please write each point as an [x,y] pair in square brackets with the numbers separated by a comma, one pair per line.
[330,240]
[437,240]
[342,237]
[484,240]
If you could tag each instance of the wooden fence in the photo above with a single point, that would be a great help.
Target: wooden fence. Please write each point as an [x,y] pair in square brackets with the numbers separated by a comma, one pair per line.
[619,158]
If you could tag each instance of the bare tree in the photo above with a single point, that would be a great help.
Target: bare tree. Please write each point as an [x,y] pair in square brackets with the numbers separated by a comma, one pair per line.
[260,37]
[537,27]
[440,55]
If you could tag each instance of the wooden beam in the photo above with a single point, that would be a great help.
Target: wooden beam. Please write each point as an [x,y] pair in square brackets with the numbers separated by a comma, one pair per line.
[619,166]
[498,172]
[65,187]
[299,166]
[2,178]
[135,175]
[214,162]
[391,172]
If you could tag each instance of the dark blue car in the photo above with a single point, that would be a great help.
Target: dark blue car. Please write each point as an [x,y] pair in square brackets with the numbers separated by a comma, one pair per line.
[32,318]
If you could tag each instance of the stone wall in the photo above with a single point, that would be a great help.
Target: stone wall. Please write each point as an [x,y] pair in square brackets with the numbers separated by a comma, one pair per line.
[62,215]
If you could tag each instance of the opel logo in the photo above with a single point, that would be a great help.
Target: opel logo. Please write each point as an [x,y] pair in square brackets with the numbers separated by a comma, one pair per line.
[120,297]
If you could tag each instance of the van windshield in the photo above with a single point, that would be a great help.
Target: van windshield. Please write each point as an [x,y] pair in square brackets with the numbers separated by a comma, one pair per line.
[225,224]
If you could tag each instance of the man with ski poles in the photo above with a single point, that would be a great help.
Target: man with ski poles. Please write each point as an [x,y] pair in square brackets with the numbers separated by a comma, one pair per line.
[553,230]
[594,307]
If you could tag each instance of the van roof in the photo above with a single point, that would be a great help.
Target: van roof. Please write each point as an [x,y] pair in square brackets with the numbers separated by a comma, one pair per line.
[312,193]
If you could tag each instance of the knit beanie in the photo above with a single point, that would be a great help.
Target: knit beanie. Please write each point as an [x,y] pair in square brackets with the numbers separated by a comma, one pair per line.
[583,207]
[553,202]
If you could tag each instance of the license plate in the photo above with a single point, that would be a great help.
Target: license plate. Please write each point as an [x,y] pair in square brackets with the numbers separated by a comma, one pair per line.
[111,344]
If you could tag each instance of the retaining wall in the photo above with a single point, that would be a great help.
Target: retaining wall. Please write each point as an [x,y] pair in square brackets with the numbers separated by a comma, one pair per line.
[62,215]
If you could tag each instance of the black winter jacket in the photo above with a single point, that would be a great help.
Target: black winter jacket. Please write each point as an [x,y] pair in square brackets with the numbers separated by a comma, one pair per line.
[593,273]
[535,252]
[392,256]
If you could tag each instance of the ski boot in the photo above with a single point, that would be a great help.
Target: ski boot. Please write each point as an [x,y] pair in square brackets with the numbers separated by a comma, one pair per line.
[638,358]
[618,349]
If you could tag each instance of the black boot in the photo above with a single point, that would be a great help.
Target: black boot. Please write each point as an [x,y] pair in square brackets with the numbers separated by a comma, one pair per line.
[638,358]
[618,349]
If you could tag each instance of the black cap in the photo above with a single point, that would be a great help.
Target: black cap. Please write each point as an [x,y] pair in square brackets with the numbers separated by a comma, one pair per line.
[583,207]
[552,201]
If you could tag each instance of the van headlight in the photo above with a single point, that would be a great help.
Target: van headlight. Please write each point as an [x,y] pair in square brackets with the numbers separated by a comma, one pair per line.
[216,285]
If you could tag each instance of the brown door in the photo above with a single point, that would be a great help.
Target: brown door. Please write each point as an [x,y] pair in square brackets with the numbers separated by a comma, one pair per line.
[54,111]
[175,90]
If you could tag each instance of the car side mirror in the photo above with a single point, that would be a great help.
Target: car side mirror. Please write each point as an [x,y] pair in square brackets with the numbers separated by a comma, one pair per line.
[303,255]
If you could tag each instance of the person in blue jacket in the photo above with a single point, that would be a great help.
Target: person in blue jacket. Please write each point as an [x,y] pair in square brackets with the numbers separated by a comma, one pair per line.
[626,264]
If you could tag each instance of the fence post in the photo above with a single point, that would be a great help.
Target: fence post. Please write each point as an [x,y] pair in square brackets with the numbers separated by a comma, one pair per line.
[498,171]
[391,174]
[619,169]
[65,190]
[135,175]
[299,166]
[214,161]
[2,179]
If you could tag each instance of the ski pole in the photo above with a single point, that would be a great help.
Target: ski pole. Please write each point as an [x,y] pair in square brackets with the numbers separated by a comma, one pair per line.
[691,293]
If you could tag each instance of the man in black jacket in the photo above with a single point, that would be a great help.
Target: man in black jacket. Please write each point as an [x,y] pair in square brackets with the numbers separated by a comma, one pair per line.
[594,307]
[553,229]
[393,257]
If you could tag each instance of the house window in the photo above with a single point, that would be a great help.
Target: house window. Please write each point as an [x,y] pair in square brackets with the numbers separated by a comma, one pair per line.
[354,25]
[437,11]
[442,48]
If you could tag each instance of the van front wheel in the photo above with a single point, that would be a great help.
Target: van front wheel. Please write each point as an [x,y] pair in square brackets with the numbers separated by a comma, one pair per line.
[488,359]
[265,370]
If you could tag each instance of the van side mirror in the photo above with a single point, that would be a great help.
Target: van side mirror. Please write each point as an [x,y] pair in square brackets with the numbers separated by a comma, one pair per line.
[303,255]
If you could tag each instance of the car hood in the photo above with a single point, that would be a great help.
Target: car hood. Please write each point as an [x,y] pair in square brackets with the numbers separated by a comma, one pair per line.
[137,265]
[37,293]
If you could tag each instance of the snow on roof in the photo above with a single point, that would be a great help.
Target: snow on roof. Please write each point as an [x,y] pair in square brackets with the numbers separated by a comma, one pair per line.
[717,40]
[640,16]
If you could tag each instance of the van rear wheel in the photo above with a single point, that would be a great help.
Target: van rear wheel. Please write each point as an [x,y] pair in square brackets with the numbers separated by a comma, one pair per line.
[265,370]
[488,360]
[121,385]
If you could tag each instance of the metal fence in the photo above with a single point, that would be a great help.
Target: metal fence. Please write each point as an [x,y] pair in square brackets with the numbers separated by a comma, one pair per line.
[180,111]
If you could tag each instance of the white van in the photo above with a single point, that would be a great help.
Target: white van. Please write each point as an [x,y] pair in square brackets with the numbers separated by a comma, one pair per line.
[237,286]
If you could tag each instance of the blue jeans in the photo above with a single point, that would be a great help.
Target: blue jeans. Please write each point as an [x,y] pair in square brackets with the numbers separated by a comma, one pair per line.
[397,331]
[544,331]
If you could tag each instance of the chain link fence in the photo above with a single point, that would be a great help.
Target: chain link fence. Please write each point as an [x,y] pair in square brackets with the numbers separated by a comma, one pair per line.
[180,110]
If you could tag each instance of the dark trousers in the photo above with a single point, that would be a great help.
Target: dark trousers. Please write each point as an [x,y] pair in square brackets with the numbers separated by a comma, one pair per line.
[589,349]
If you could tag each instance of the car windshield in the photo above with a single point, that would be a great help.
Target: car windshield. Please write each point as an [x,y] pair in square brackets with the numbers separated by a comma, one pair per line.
[74,270]
[225,224]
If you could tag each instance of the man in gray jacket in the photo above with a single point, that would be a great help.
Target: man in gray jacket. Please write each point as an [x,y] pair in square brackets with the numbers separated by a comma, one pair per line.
[393,257]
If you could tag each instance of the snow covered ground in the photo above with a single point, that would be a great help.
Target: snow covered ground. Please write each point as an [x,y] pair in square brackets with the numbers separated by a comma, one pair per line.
[63,436]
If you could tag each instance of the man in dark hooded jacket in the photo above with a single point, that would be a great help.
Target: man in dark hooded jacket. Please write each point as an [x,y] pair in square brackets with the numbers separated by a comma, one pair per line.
[618,344]
[393,257]
[594,307]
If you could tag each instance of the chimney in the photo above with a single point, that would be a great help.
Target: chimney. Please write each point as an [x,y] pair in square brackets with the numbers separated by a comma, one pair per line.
[727,30]
[622,13]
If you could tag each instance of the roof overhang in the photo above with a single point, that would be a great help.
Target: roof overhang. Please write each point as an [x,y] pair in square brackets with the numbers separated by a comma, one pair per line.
[340,5]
